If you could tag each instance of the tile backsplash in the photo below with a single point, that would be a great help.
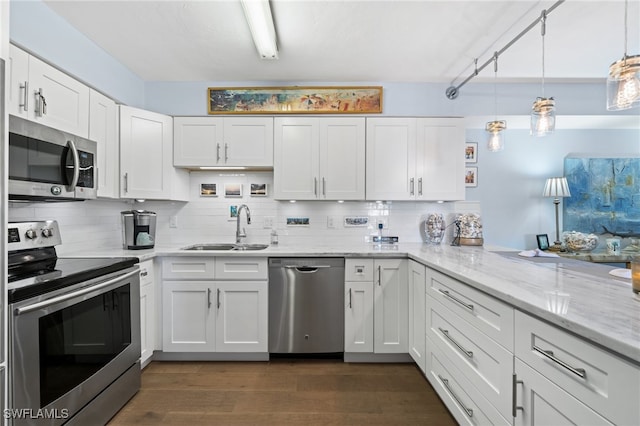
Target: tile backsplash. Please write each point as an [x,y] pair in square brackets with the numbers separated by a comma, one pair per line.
[97,223]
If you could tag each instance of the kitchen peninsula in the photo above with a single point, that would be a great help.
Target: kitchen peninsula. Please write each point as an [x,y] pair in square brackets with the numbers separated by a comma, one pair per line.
[567,321]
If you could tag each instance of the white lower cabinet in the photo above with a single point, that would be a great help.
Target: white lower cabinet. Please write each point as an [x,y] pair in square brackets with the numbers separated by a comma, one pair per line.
[465,402]
[477,384]
[240,311]
[202,313]
[390,313]
[417,307]
[540,402]
[188,319]
[147,311]
[376,301]
[597,380]
[358,317]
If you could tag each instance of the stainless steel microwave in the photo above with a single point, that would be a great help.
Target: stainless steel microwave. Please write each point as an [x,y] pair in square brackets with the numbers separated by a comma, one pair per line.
[47,164]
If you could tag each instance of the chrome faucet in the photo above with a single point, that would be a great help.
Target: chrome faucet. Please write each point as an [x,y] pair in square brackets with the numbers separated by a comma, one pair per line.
[243,234]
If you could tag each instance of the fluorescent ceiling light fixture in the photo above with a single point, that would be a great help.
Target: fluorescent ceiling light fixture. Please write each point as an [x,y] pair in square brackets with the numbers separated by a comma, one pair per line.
[258,15]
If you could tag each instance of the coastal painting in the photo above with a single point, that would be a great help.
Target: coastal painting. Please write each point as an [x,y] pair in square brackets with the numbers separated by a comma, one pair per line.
[605,196]
[294,100]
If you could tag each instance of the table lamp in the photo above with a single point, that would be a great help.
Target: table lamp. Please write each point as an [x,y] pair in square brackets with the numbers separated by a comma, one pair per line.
[556,187]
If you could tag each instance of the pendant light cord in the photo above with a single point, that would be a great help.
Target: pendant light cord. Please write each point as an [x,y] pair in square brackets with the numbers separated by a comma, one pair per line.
[626,10]
[543,30]
[495,85]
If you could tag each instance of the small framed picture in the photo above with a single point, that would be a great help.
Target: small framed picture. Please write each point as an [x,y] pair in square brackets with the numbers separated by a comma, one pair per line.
[233,212]
[471,177]
[543,241]
[259,190]
[233,190]
[471,152]
[208,190]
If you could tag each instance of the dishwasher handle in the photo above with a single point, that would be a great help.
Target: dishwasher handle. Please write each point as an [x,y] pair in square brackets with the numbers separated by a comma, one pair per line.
[306,269]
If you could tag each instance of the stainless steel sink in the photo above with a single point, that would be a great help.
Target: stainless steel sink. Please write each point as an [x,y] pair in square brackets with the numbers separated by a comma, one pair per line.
[226,247]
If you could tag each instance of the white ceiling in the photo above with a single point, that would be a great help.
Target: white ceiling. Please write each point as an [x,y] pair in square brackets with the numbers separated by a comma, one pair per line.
[358,41]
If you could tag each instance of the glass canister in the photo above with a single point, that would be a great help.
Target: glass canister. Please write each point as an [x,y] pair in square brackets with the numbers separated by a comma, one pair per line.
[470,229]
[434,227]
[635,274]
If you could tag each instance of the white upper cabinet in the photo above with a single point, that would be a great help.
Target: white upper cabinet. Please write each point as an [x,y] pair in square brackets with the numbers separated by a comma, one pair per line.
[103,128]
[146,160]
[440,159]
[391,152]
[42,93]
[319,158]
[223,141]
[415,159]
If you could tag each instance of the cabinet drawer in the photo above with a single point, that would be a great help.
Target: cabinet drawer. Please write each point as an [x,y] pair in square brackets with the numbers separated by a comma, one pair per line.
[146,272]
[483,361]
[601,380]
[489,315]
[187,268]
[359,270]
[241,268]
[464,401]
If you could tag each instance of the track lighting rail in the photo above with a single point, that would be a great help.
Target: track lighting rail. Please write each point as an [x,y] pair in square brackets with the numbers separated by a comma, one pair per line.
[452,92]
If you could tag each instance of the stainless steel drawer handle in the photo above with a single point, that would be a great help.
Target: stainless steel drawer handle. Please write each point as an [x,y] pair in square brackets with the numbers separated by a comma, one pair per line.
[217,153]
[350,305]
[580,372]
[218,298]
[514,402]
[469,354]
[25,102]
[209,298]
[445,382]
[455,299]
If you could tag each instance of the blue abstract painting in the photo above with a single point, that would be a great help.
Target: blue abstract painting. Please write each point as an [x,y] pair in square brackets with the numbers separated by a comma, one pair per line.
[605,196]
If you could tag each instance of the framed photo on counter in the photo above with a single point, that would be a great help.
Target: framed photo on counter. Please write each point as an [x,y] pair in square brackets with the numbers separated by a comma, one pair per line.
[543,241]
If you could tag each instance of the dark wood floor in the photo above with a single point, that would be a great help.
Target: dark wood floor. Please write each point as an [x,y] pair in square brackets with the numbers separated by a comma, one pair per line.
[283,392]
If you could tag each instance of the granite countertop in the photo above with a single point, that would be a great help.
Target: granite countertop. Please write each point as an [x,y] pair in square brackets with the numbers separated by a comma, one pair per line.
[578,296]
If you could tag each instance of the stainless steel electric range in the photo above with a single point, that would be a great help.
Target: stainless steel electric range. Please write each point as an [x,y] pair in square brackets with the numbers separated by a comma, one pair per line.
[74,331]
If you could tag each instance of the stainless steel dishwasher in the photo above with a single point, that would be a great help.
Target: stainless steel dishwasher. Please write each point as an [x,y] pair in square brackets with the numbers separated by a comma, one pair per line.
[306,305]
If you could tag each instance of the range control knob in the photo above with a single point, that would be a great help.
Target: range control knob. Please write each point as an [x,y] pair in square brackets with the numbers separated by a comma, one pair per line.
[30,234]
[47,232]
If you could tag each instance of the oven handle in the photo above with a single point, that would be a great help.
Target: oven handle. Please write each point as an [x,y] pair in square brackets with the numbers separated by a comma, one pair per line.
[62,298]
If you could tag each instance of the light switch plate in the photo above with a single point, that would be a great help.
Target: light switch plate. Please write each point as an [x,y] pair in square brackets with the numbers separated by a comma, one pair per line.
[268,222]
[173,221]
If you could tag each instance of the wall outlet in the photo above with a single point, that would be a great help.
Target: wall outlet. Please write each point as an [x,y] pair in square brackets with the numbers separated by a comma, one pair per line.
[333,222]
[173,221]
[268,222]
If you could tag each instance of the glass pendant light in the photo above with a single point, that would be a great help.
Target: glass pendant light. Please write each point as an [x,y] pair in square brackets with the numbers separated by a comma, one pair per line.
[495,134]
[543,111]
[623,82]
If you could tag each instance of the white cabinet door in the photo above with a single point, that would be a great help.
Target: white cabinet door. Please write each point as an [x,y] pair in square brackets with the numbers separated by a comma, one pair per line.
[188,314]
[242,318]
[223,141]
[103,128]
[391,299]
[146,157]
[20,100]
[439,162]
[358,317]
[417,307]
[342,158]
[248,141]
[197,141]
[147,311]
[391,151]
[296,159]
[59,101]
[541,402]
[42,93]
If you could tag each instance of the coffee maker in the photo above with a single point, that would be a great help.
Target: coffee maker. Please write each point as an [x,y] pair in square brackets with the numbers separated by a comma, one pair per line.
[138,229]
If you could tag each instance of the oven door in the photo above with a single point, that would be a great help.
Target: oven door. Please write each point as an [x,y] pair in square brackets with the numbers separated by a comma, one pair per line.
[68,348]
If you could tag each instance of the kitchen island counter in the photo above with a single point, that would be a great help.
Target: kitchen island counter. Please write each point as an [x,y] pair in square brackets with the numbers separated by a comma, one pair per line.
[577,296]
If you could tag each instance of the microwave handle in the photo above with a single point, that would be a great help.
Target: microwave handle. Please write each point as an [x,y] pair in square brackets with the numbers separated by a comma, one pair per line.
[76,165]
